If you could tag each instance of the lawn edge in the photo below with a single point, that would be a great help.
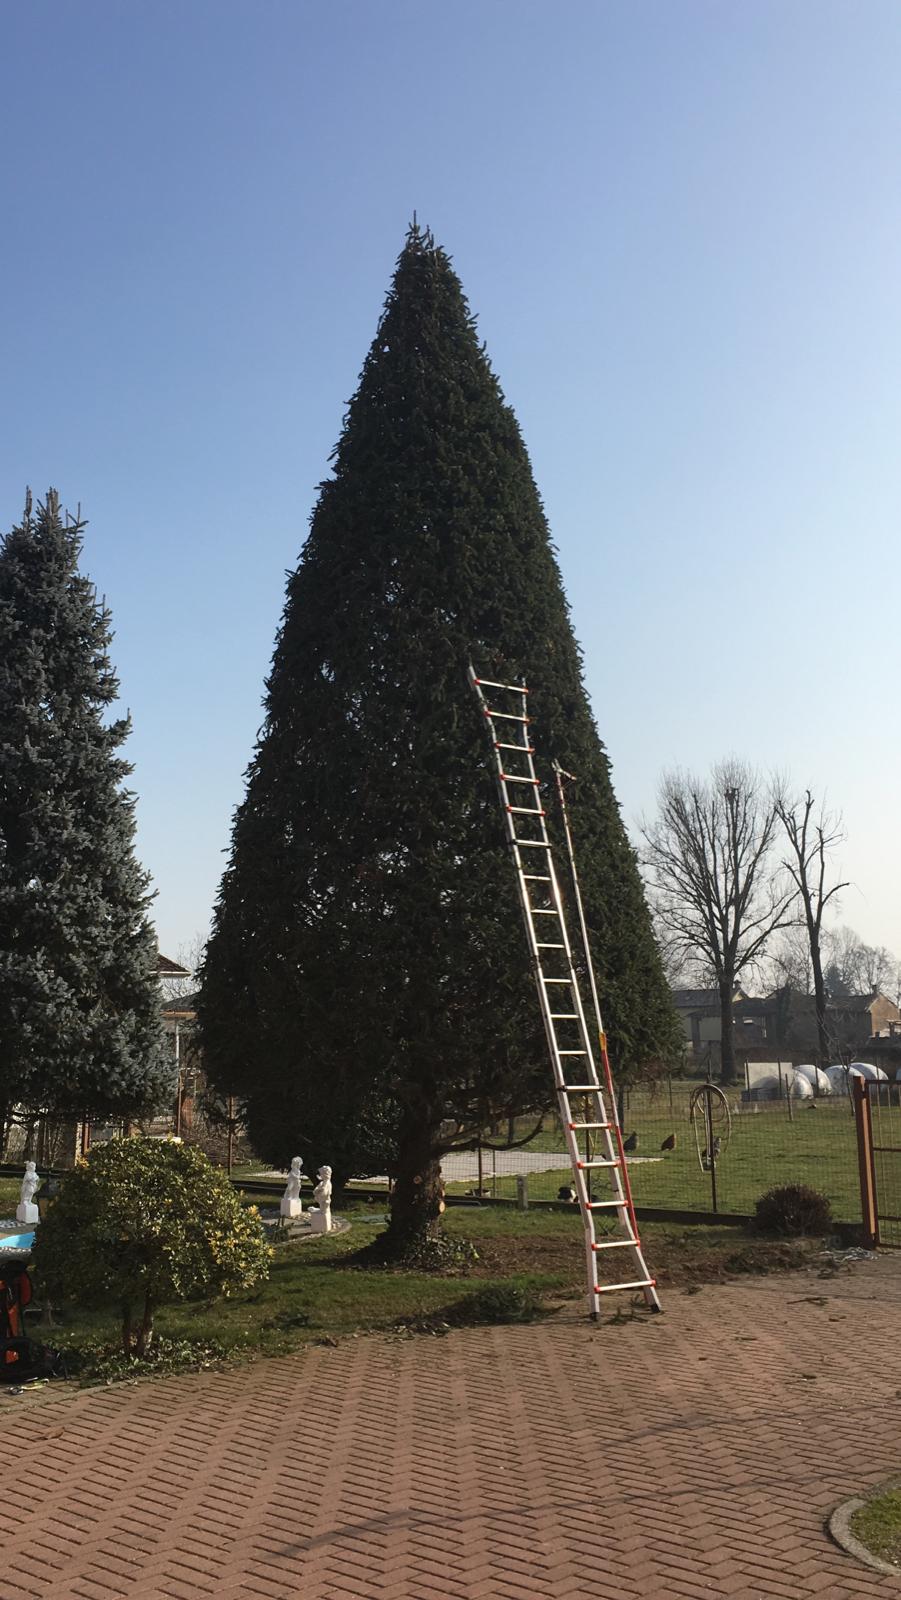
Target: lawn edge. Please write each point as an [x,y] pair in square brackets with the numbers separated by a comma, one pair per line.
[839,1527]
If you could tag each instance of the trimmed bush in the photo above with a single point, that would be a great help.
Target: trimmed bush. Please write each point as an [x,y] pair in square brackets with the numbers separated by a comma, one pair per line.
[145,1222]
[792,1210]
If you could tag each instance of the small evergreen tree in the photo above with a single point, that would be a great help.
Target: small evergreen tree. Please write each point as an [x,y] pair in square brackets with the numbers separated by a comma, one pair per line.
[367,933]
[79,1008]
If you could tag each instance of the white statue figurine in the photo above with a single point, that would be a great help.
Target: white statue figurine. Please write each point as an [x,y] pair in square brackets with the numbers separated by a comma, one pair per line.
[321,1220]
[26,1210]
[291,1203]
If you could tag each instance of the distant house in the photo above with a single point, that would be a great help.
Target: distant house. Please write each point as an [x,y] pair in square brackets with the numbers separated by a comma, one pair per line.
[699,1013]
[852,1022]
[785,1020]
[179,1019]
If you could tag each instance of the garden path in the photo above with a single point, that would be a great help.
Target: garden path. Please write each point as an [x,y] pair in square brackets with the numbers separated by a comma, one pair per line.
[691,1455]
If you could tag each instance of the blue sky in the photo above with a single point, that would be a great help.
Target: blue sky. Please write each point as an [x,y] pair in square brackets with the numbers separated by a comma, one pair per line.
[679,225]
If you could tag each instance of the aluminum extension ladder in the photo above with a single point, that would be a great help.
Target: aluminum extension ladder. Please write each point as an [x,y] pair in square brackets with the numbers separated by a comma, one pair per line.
[568,1034]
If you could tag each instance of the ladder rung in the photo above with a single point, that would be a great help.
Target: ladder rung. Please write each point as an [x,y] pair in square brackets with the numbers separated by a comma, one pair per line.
[545,946]
[577,1126]
[533,844]
[513,777]
[543,911]
[580,1088]
[487,683]
[537,877]
[572,1052]
[616,1288]
[585,1166]
[614,1244]
[527,811]
[564,1016]
[505,716]
[526,749]
[554,980]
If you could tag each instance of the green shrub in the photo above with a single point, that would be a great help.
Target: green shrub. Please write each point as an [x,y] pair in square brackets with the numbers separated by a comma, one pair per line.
[498,1302]
[793,1210]
[146,1222]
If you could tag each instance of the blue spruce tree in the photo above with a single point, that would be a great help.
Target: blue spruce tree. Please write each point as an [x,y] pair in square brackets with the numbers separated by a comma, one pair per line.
[79,1006]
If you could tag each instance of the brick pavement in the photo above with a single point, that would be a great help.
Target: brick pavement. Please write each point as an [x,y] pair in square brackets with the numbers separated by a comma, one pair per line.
[691,1455]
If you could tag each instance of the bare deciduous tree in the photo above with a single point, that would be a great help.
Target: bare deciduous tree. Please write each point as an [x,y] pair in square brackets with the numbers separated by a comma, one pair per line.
[788,961]
[812,836]
[717,888]
[853,967]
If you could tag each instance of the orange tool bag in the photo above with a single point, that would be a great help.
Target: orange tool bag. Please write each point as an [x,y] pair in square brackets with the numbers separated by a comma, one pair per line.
[20,1357]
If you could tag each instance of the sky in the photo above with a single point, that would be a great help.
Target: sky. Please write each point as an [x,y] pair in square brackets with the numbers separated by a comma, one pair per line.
[679,224]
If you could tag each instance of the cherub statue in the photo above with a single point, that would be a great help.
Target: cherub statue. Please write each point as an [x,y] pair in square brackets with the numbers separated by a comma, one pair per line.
[27,1211]
[291,1203]
[321,1220]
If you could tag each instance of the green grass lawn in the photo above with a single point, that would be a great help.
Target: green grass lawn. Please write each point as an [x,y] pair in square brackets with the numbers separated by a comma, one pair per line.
[316,1291]
[765,1148]
[878,1526]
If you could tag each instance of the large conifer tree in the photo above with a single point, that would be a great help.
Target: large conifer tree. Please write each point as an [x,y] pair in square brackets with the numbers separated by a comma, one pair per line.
[79,1006]
[367,949]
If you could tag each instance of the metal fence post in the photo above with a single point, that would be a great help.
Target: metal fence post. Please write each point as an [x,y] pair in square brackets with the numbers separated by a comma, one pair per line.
[522,1192]
[866,1164]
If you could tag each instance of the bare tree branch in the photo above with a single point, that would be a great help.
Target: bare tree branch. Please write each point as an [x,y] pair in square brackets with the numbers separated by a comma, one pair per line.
[811,839]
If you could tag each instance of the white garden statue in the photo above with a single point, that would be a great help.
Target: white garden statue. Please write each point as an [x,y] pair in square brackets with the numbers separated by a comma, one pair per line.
[291,1203]
[26,1210]
[321,1218]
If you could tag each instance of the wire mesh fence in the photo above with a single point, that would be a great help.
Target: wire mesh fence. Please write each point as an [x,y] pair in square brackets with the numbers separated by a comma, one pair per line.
[684,1157]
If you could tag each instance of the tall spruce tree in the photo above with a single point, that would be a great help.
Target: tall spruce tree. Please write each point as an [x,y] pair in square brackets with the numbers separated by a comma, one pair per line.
[79,1007]
[367,949]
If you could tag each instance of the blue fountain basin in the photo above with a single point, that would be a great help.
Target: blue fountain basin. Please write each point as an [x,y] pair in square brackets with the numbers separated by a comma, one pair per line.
[17,1243]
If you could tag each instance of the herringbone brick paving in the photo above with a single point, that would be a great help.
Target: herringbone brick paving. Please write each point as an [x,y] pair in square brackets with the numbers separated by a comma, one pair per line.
[691,1455]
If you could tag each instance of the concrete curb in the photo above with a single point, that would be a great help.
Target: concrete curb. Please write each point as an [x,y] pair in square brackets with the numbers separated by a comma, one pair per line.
[839,1528]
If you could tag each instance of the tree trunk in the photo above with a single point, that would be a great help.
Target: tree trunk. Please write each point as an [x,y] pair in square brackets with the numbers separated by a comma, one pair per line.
[6,1115]
[126,1327]
[819,991]
[416,1200]
[727,1046]
[145,1332]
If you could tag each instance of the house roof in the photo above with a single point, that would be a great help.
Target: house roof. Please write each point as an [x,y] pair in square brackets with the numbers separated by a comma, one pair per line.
[699,999]
[688,999]
[856,1002]
[169,969]
[183,1005]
